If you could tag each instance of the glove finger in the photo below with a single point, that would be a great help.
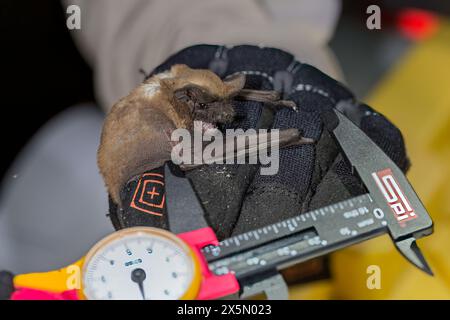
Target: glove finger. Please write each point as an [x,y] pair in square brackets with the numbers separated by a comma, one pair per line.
[196,57]
[386,135]
[310,82]
[271,198]
[221,187]
[288,192]
[333,179]
[339,182]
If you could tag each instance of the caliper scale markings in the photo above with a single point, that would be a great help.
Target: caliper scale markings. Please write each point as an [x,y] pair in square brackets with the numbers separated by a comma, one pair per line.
[296,239]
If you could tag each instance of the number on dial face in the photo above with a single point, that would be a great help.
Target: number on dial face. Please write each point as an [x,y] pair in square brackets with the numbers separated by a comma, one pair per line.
[138,266]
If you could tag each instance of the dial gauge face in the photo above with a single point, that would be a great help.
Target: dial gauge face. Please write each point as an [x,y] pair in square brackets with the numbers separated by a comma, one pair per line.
[139,263]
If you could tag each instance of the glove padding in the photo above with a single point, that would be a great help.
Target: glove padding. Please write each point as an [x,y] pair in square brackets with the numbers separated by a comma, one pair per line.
[237,198]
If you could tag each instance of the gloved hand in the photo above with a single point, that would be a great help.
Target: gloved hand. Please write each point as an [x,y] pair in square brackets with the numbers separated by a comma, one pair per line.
[237,198]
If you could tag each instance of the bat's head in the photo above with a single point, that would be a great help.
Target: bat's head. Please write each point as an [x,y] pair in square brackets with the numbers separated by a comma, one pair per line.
[207,97]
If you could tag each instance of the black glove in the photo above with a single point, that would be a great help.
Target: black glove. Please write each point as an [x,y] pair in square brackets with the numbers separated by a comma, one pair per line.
[237,198]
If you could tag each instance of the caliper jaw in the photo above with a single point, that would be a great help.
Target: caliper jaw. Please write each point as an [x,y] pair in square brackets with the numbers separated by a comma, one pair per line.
[409,249]
[273,286]
[407,217]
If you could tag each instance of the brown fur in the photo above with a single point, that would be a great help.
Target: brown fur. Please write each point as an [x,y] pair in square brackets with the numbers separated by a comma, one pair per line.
[136,132]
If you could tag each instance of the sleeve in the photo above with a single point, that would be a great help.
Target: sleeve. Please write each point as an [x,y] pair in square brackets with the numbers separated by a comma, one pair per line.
[118,38]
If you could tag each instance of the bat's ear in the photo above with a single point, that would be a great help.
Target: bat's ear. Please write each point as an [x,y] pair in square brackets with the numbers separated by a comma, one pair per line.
[189,90]
[178,69]
[182,95]
[188,94]
[234,84]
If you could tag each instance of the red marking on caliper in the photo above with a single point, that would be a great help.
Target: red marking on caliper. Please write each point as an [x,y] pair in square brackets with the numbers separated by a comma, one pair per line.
[394,195]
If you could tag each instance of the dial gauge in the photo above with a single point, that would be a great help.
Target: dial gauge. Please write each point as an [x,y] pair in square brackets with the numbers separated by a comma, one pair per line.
[141,263]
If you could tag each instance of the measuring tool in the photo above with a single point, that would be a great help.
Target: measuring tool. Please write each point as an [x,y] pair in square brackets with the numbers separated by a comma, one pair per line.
[141,263]
[390,206]
[189,262]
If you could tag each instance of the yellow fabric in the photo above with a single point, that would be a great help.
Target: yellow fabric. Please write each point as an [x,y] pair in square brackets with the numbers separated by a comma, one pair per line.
[415,96]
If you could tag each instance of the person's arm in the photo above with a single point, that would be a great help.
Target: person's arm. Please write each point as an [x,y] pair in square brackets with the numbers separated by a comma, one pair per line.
[120,37]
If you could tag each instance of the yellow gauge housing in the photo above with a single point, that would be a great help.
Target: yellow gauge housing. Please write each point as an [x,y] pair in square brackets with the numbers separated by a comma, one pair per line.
[52,281]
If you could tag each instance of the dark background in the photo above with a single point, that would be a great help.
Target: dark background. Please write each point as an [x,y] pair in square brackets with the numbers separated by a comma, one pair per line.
[43,73]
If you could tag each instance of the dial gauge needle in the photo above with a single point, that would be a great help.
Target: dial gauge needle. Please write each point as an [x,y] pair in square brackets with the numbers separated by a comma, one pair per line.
[138,275]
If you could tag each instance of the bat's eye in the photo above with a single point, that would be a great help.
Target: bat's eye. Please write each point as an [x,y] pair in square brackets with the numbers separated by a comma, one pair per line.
[202,105]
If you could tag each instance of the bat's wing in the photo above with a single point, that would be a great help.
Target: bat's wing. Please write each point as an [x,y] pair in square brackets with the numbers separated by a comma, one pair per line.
[250,145]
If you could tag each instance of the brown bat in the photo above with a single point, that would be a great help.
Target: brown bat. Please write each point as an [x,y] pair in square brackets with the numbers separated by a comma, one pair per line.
[136,135]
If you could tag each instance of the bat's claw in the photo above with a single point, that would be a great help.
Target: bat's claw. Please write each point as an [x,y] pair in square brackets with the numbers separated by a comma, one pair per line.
[270,97]
[285,104]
